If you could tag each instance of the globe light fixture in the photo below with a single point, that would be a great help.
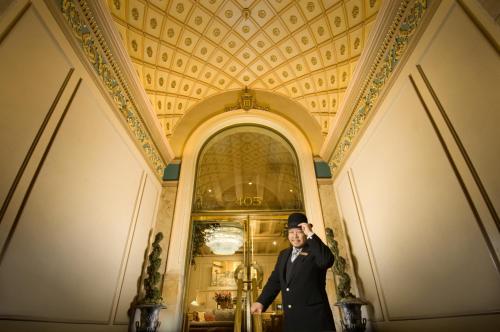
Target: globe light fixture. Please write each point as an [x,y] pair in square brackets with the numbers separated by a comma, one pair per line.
[224,240]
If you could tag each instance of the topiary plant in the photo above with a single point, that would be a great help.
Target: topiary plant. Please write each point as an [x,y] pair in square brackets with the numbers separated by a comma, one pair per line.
[339,266]
[152,291]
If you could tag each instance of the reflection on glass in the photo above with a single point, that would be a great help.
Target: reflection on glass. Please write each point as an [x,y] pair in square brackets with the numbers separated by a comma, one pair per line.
[247,168]
[221,288]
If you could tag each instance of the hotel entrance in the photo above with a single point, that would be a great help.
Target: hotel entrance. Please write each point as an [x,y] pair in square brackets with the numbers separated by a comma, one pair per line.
[247,183]
[231,259]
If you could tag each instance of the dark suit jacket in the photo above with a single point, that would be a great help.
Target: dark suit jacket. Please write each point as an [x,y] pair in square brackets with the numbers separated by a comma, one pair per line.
[305,302]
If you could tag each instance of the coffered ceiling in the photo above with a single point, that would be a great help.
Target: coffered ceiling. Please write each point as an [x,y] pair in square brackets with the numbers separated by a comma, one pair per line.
[185,51]
[247,168]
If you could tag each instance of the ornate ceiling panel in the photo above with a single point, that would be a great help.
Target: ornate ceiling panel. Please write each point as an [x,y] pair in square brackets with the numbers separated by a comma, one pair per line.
[243,163]
[185,51]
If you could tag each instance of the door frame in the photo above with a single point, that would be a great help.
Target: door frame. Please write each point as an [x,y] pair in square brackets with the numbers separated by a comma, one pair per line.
[178,248]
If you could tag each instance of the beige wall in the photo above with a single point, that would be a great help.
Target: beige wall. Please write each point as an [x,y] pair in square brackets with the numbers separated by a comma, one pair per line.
[79,199]
[420,193]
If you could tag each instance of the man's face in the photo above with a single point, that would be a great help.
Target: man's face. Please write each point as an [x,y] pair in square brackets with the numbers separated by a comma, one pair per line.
[296,237]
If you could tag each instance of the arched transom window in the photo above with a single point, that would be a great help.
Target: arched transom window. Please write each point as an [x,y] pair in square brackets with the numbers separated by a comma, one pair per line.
[247,168]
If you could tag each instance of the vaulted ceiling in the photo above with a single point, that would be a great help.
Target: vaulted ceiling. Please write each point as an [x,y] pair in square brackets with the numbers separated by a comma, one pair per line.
[186,51]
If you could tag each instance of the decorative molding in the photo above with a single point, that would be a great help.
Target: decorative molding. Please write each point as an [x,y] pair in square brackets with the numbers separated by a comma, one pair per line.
[87,34]
[453,164]
[460,145]
[471,9]
[246,102]
[390,54]
[38,169]
[360,216]
[12,24]
[34,144]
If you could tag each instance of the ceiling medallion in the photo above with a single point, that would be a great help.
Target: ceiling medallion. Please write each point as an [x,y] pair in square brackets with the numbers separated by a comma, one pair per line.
[246,102]
[246,13]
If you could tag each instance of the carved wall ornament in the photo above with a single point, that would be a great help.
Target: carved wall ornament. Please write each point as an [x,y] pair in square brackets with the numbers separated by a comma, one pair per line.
[85,31]
[381,73]
[246,102]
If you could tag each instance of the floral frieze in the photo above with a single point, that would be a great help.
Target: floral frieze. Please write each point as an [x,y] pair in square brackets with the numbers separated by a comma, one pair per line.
[382,73]
[84,35]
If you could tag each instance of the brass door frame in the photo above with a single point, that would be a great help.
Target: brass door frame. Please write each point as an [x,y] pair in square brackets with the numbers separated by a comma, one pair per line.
[244,218]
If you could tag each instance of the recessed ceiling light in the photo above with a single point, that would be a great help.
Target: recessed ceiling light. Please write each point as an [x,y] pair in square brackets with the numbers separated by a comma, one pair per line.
[274,243]
[250,183]
[209,190]
[291,190]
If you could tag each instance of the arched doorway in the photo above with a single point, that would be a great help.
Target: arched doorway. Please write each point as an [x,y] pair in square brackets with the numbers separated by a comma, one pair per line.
[178,262]
[247,182]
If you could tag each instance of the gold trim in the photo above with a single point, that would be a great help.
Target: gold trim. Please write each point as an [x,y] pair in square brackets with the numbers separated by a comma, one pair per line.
[128,248]
[35,175]
[31,149]
[461,147]
[246,101]
[14,22]
[467,195]
[251,213]
[368,246]
[390,55]
[324,181]
[486,34]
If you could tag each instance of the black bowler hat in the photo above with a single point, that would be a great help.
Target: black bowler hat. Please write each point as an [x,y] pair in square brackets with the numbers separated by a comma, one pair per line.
[295,219]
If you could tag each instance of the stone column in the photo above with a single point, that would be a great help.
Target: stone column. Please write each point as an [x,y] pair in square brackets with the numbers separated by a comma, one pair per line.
[169,291]
[331,217]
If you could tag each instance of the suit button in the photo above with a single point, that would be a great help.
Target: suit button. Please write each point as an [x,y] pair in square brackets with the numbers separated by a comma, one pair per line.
[288,289]
[289,306]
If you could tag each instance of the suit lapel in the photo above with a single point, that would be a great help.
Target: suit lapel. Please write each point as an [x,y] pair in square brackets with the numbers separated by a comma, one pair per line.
[283,263]
[298,263]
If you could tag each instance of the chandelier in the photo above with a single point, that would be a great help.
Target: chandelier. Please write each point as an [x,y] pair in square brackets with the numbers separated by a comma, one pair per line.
[224,240]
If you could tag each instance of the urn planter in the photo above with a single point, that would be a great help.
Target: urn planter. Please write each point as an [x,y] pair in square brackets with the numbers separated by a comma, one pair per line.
[351,314]
[149,321]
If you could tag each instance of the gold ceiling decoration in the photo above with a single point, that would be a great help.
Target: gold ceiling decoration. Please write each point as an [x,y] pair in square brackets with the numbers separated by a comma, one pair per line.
[247,102]
[185,51]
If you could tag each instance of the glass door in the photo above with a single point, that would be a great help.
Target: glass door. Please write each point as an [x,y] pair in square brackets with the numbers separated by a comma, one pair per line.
[216,262]
[267,238]
[231,259]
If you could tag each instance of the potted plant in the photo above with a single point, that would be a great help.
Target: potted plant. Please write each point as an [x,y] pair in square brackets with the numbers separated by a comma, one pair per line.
[151,304]
[350,305]
[224,300]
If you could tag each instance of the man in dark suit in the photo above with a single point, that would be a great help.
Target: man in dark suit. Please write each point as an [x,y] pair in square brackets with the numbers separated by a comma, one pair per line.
[300,274]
